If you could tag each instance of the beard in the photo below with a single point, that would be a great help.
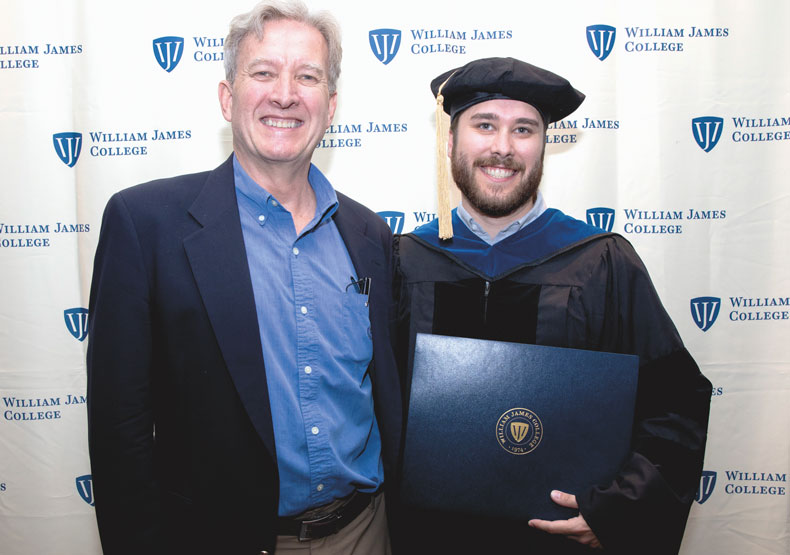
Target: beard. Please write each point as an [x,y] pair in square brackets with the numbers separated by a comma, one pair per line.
[494,205]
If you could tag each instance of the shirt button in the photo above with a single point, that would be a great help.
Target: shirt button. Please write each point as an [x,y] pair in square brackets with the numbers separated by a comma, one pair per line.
[261,218]
[303,310]
[308,370]
[295,251]
[274,202]
[314,429]
[320,487]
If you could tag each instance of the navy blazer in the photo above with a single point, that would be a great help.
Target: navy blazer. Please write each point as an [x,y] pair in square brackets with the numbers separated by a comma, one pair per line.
[180,433]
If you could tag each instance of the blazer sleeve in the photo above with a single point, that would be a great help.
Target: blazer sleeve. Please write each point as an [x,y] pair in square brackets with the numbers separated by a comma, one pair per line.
[120,403]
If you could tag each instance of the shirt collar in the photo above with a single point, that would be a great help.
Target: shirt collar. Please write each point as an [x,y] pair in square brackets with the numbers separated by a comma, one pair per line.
[264,201]
[516,225]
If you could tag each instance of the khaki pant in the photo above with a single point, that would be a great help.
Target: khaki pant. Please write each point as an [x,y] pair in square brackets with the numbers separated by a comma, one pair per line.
[365,535]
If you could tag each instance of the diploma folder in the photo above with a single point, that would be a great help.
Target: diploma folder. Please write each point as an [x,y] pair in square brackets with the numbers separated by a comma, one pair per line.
[493,427]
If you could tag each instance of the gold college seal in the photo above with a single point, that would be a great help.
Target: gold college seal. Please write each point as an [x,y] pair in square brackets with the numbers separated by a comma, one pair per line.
[519,431]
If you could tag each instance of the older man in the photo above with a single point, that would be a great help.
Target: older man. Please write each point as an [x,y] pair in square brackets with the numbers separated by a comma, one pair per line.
[510,269]
[236,316]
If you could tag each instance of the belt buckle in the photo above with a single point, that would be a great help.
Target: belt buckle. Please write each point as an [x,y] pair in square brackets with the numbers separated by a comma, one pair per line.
[304,529]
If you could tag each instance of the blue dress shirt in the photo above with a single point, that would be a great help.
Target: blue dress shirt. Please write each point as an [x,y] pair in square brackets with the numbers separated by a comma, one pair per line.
[516,225]
[316,341]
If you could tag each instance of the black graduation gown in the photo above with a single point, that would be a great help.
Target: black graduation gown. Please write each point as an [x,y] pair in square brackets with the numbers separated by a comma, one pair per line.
[561,282]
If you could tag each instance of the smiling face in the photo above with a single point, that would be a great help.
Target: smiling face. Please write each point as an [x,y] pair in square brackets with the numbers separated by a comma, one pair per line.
[279,104]
[497,156]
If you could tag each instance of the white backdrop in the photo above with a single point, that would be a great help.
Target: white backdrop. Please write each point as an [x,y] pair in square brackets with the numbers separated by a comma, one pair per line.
[704,201]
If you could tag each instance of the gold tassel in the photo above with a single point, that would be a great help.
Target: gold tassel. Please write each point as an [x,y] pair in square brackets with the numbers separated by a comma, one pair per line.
[442,172]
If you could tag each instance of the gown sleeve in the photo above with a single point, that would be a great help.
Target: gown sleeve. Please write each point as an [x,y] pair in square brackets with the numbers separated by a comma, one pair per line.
[644,509]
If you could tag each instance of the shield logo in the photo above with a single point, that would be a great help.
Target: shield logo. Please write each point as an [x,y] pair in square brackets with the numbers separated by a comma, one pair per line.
[704,311]
[707,131]
[168,51]
[385,44]
[601,217]
[393,219]
[600,39]
[519,431]
[77,322]
[67,147]
[706,484]
[85,488]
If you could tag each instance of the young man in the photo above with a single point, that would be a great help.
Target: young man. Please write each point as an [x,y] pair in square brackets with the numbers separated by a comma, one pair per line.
[514,270]
[231,382]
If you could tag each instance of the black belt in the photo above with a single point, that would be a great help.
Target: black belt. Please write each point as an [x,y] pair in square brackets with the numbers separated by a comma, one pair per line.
[322,525]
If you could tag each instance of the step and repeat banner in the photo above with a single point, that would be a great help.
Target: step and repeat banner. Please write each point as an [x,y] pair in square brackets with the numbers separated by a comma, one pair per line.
[682,146]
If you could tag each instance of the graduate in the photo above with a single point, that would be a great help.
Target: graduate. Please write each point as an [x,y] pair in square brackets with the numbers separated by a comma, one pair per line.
[504,266]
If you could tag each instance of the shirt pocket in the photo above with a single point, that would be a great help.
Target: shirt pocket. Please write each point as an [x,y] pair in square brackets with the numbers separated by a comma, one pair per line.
[356,328]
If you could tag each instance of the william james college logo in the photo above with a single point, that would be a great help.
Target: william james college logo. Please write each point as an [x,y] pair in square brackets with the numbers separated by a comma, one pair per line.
[67,147]
[601,217]
[704,311]
[168,51]
[394,220]
[85,488]
[707,131]
[707,482]
[519,431]
[600,39]
[384,43]
[77,322]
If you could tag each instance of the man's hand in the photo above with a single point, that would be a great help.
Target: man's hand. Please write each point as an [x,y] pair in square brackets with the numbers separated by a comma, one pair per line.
[575,528]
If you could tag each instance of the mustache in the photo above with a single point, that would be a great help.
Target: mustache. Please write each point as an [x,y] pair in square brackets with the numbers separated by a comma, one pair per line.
[499,161]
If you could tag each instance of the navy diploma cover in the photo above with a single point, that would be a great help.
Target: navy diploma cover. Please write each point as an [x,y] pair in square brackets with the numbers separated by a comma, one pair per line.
[493,427]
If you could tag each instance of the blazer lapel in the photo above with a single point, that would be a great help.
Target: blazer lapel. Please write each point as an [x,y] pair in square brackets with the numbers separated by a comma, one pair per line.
[366,255]
[218,259]
[370,260]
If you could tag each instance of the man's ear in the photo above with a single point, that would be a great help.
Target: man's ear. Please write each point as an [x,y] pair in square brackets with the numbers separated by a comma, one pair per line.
[332,107]
[225,93]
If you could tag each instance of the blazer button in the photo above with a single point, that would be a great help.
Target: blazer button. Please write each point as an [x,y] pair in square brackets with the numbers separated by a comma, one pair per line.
[264,553]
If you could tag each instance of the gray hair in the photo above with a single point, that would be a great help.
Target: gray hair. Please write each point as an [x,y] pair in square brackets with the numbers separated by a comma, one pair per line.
[274,10]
